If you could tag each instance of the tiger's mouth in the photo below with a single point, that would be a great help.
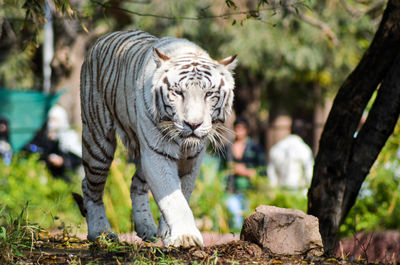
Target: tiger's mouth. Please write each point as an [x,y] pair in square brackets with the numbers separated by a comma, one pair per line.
[172,131]
[192,141]
[194,136]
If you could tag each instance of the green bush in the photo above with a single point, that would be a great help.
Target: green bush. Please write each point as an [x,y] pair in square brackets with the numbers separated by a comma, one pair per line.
[207,201]
[49,199]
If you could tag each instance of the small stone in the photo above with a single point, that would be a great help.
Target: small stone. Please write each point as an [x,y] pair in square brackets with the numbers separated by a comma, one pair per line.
[253,250]
[199,254]
[283,231]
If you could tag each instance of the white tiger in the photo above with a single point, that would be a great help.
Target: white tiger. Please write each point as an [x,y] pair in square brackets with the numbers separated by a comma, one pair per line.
[165,98]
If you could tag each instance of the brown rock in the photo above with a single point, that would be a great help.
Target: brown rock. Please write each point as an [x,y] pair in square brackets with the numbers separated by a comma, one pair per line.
[283,231]
[199,254]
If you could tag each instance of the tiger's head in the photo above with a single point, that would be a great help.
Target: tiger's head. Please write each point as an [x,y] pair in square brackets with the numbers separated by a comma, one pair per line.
[192,96]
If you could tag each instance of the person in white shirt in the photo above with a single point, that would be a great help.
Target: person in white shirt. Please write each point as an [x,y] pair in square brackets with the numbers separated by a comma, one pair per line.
[58,145]
[291,162]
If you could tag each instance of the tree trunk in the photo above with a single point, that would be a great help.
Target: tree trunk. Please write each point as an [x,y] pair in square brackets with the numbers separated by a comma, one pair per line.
[344,161]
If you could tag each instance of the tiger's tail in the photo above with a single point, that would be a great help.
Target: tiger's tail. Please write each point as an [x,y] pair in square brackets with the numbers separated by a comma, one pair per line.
[79,201]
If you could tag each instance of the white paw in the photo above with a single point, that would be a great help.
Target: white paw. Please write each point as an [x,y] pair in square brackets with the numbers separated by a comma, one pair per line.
[184,239]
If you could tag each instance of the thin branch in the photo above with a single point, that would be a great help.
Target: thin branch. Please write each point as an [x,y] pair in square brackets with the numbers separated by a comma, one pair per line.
[374,11]
[252,13]
[350,10]
[9,30]
[1,26]
[314,22]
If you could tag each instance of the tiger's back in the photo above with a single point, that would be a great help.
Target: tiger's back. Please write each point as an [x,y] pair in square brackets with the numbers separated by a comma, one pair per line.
[108,82]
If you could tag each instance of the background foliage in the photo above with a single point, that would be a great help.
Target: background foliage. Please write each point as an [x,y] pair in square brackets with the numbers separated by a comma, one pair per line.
[286,55]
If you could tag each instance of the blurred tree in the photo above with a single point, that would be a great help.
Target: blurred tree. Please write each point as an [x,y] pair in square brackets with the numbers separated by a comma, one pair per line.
[21,23]
[16,50]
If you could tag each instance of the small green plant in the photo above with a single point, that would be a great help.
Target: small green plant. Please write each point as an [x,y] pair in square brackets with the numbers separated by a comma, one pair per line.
[111,245]
[16,235]
[154,255]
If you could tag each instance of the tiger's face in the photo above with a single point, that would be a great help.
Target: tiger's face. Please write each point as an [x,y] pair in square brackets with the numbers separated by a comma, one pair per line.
[193,94]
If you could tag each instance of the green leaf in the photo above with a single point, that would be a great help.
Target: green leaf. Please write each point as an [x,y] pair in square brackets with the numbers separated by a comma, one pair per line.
[3,233]
[230,4]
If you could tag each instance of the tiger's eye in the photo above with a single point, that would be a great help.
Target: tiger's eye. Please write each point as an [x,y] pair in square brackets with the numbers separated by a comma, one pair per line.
[208,94]
[179,93]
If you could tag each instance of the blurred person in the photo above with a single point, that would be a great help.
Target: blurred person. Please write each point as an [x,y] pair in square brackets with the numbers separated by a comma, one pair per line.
[291,161]
[6,151]
[58,145]
[245,160]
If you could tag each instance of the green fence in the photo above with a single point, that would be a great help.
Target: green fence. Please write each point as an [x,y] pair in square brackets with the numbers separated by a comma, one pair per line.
[26,112]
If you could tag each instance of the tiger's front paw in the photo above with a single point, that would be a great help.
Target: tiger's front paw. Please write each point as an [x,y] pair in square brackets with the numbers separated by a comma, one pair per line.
[184,239]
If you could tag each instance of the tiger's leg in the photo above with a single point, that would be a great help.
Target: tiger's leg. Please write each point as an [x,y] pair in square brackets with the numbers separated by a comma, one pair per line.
[162,176]
[190,170]
[97,155]
[141,213]
[190,174]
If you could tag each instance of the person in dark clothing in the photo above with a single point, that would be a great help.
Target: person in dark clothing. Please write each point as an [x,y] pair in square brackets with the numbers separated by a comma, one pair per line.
[244,159]
[59,163]
[5,146]
[57,145]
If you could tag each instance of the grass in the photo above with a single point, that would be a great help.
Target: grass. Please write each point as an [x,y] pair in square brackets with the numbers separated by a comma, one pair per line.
[16,234]
[18,237]
[23,243]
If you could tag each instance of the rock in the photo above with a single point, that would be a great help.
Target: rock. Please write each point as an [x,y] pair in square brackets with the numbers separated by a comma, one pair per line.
[199,254]
[283,231]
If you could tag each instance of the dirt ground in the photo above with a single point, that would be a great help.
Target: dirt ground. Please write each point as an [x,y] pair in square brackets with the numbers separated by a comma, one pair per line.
[224,249]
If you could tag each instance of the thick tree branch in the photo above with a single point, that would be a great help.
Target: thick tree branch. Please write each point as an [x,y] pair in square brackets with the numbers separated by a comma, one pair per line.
[379,126]
[333,160]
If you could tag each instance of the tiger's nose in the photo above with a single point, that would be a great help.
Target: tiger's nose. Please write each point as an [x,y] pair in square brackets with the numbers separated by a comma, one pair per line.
[193,125]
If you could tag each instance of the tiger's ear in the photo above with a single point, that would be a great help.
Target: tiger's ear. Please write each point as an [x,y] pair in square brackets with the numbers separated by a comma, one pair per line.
[159,57]
[229,62]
